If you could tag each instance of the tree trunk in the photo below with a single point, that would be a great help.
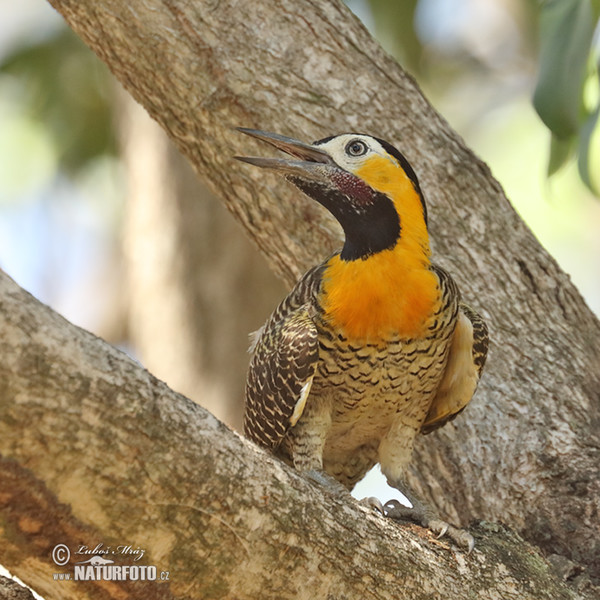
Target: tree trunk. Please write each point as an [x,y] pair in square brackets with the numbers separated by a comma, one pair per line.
[526,452]
[97,454]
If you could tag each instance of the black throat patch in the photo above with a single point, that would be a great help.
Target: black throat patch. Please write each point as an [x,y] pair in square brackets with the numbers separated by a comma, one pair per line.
[369,219]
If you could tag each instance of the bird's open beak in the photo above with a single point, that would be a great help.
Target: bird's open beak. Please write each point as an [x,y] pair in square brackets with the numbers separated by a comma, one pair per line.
[312,162]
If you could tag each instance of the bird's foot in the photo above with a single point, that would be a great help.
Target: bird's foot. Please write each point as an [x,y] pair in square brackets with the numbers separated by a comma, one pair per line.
[425,517]
[332,485]
[373,503]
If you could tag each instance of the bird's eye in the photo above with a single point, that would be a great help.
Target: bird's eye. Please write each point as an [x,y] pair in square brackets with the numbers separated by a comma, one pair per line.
[356,148]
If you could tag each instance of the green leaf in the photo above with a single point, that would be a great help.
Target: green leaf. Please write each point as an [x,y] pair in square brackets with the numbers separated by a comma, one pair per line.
[566,31]
[589,152]
[561,150]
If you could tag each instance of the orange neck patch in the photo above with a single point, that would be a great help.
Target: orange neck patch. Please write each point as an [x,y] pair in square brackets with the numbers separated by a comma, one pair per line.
[393,291]
[388,293]
[384,174]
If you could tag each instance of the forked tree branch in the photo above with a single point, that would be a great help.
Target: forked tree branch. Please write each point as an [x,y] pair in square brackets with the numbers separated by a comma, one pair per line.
[525,452]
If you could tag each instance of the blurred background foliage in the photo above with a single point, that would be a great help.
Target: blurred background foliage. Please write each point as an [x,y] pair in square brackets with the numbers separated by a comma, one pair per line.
[487,66]
[66,89]
[567,93]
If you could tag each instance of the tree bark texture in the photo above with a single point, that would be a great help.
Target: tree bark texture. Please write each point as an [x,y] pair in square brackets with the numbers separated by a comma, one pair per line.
[11,590]
[526,451]
[196,285]
[95,450]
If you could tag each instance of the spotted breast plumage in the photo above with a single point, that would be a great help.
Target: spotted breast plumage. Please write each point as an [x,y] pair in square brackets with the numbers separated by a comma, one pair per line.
[372,346]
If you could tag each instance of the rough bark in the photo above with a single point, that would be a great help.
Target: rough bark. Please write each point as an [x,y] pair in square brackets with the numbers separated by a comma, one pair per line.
[196,285]
[95,450]
[11,590]
[527,451]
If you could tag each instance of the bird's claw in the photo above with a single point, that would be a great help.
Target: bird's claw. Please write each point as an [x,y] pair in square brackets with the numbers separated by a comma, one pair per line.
[374,503]
[439,527]
[397,511]
[461,538]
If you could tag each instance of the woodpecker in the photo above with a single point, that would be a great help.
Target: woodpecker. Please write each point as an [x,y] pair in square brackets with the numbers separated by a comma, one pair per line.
[372,346]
